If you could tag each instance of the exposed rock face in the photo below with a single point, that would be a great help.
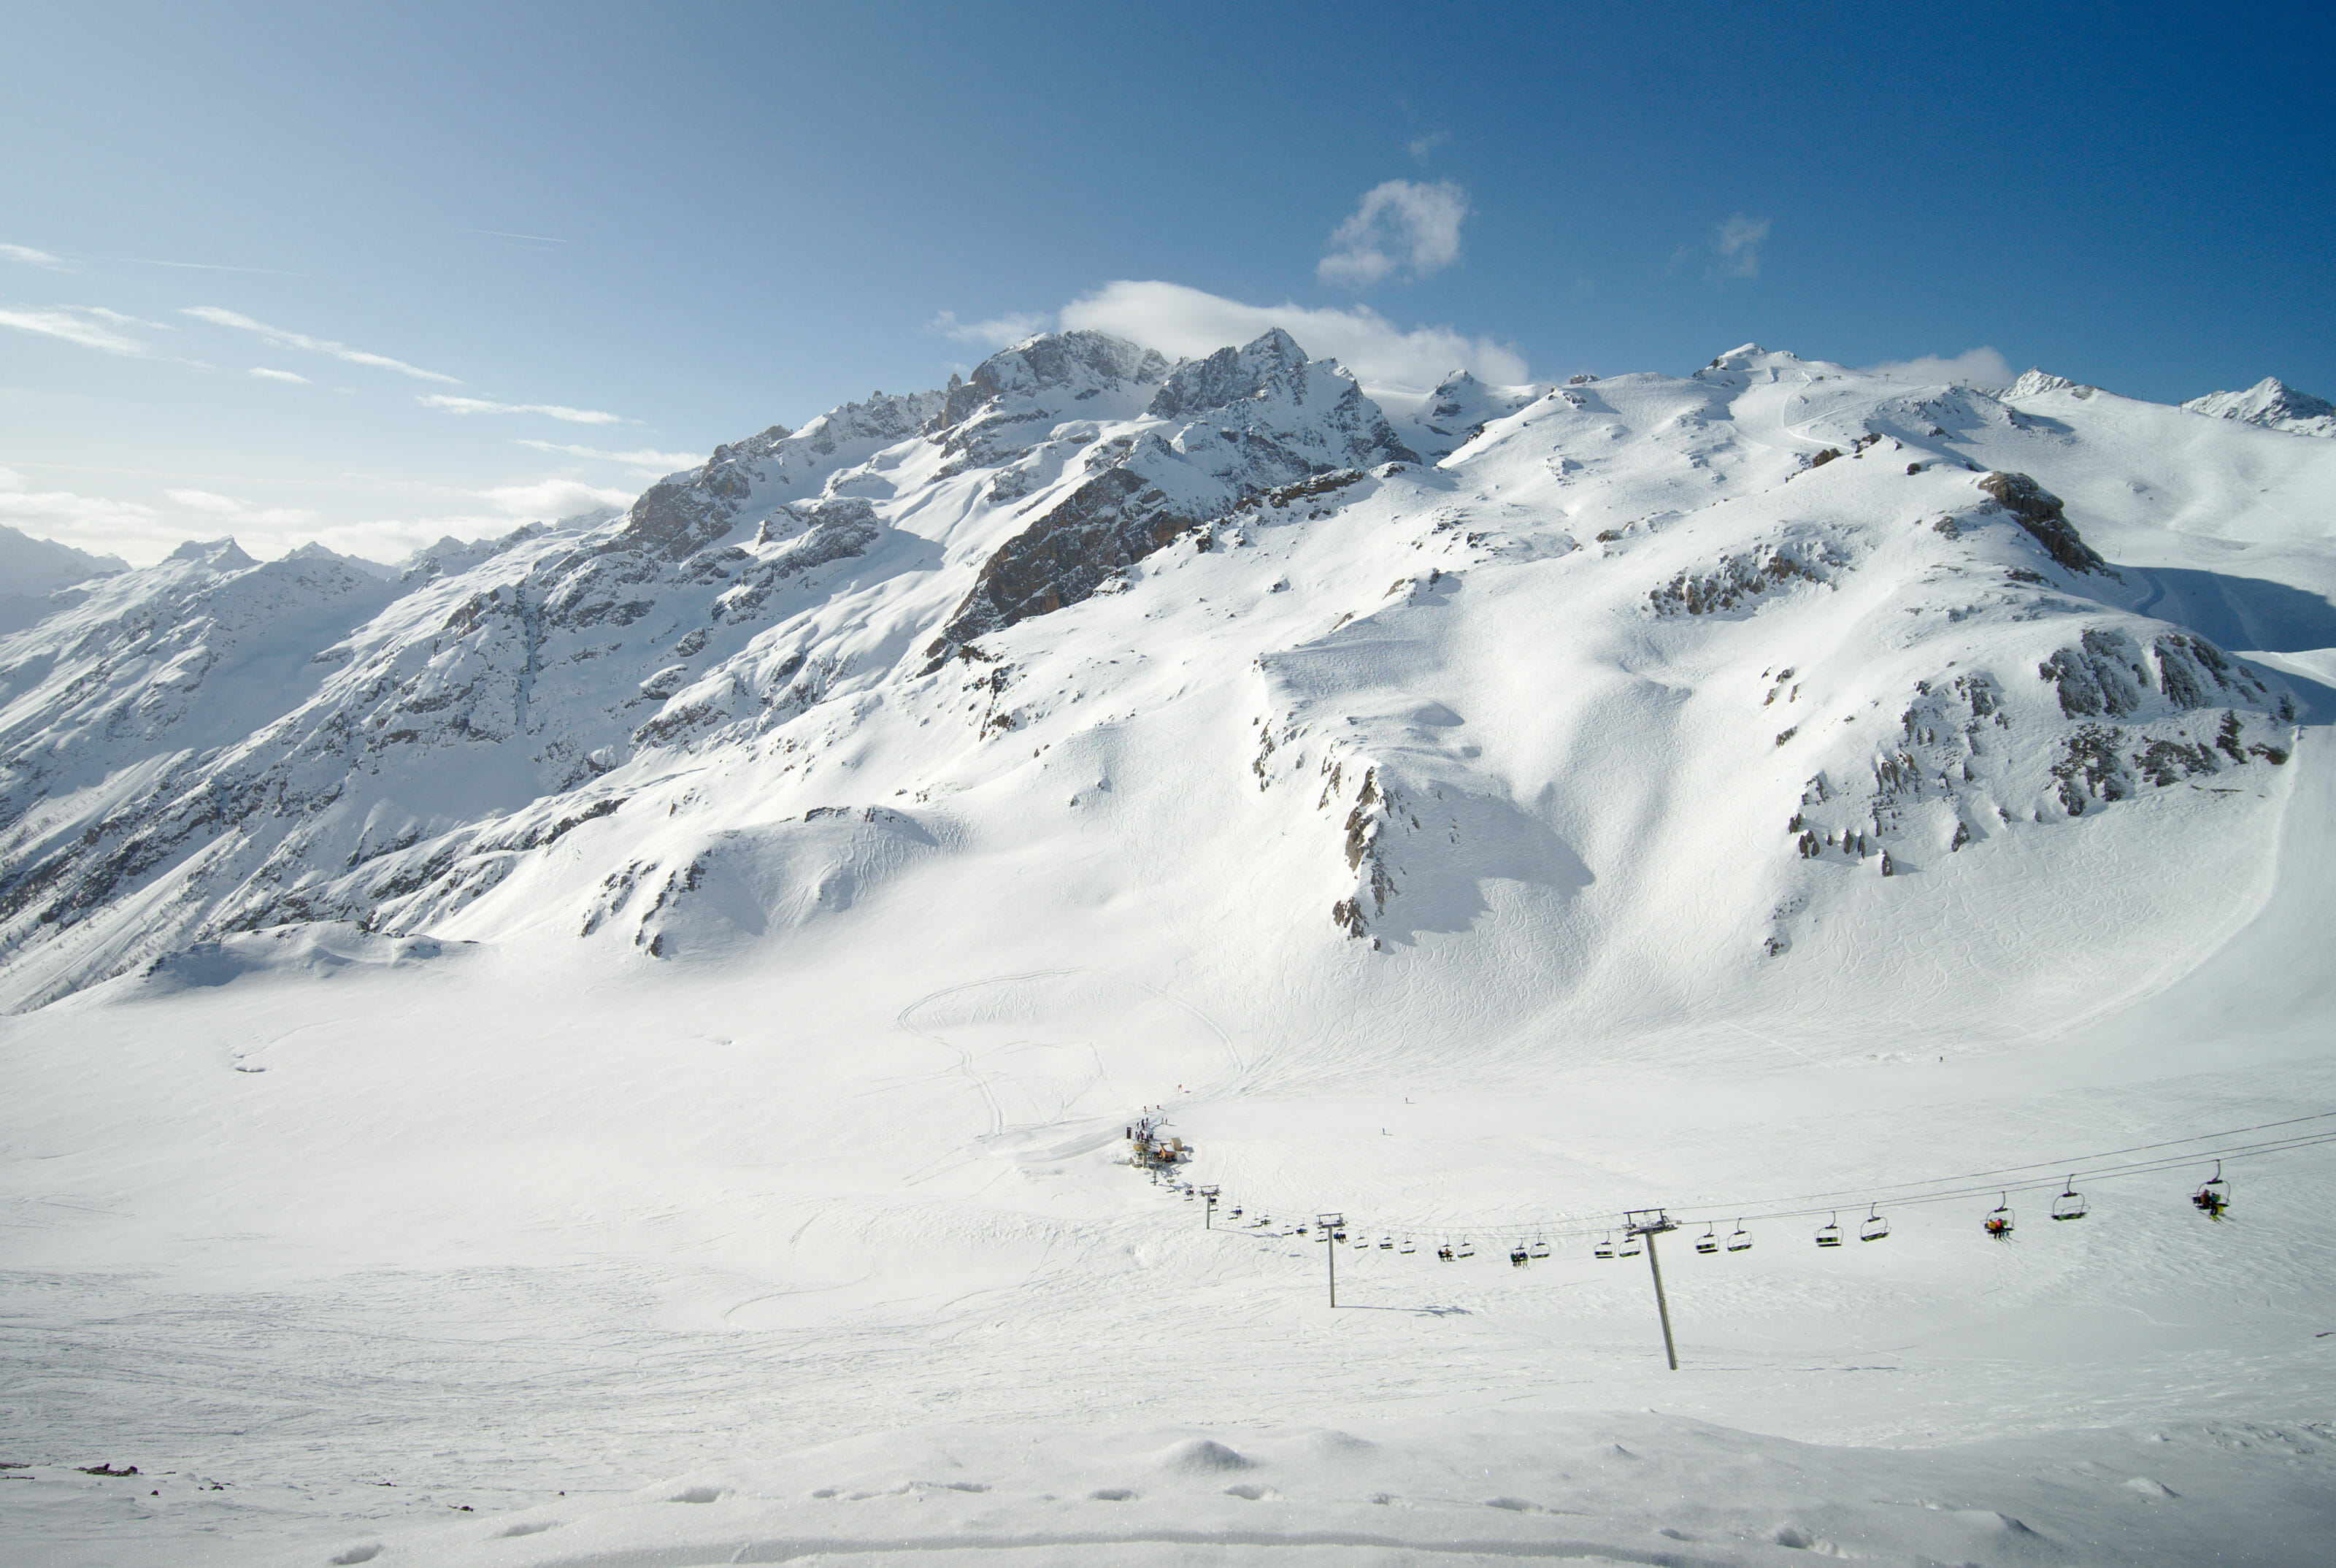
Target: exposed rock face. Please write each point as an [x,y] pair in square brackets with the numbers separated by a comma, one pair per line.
[2272,405]
[1220,430]
[2039,511]
[1016,395]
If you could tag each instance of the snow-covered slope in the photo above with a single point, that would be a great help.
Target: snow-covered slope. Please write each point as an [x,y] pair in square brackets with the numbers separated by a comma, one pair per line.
[2272,405]
[32,569]
[690,971]
[1772,629]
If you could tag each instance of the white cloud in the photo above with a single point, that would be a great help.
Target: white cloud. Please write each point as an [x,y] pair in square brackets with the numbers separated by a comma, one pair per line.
[1422,147]
[95,523]
[554,498]
[283,339]
[265,374]
[1738,244]
[548,410]
[32,257]
[73,327]
[229,509]
[1973,367]
[643,457]
[1187,323]
[1000,332]
[1399,227]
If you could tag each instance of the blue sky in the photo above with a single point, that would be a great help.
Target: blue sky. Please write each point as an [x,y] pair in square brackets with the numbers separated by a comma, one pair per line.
[520,255]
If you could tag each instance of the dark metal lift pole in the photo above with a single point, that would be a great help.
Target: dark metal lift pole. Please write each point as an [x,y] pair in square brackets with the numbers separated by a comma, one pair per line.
[1328,1229]
[1651,1223]
[1671,1352]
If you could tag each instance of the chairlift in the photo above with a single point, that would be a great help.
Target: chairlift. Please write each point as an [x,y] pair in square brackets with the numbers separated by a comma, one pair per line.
[1829,1234]
[1387,1243]
[1301,1230]
[1875,1227]
[1234,1213]
[1518,1258]
[1445,1251]
[2071,1204]
[2001,1221]
[1467,1249]
[1741,1239]
[1709,1243]
[1604,1249]
[1540,1249]
[2215,1197]
[1409,1247]
[1630,1246]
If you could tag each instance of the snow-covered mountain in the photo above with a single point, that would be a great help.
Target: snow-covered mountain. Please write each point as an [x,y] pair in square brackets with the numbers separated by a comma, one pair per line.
[2272,405]
[32,570]
[1521,659]
[660,996]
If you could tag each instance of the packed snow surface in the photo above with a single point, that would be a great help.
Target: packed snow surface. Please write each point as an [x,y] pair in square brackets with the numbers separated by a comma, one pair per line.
[616,1045]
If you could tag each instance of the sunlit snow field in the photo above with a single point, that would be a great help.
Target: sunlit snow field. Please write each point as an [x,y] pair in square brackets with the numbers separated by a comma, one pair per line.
[816,1239]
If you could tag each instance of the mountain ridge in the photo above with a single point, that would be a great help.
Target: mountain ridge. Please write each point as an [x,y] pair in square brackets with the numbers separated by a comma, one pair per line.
[887,595]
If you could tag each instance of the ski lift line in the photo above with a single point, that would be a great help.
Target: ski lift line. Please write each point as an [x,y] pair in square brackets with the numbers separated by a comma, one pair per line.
[2064,1163]
[1573,1228]
[2109,1173]
[1981,1182]
[2098,1173]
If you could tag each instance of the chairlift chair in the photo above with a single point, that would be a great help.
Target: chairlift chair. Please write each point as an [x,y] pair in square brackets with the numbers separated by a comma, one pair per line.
[2214,1196]
[1409,1247]
[2071,1204]
[1445,1251]
[2001,1221]
[1517,1257]
[1709,1243]
[1604,1249]
[1630,1247]
[1741,1239]
[1829,1234]
[1875,1227]
[1540,1249]
[1387,1243]
[1235,1212]
[1467,1249]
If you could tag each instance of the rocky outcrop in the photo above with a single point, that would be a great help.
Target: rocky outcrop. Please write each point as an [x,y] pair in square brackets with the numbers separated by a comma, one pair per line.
[1232,426]
[2039,511]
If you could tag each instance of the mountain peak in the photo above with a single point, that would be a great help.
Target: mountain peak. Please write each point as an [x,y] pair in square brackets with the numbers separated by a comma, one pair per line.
[2271,404]
[219,554]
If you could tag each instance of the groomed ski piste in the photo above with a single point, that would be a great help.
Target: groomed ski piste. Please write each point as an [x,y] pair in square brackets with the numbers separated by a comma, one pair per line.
[508,1091]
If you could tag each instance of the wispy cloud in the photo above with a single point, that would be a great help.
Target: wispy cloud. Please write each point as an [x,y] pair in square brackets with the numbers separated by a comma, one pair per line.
[75,326]
[29,256]
[500,234]
[485,406]
[84,521]
[1973,367]
[1400,226]
[999,332]
[1178,320]
[554,498]
[283,339]
[1423,148]
[294,376]
[642,457]
[229,509]
[1737,244]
